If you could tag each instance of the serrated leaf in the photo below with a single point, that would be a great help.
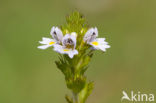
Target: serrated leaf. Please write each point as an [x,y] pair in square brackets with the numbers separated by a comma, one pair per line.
[76,84]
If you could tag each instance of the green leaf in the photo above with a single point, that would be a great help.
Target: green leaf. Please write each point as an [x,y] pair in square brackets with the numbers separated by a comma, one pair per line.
[76,84]
[83,95]
[64,66]
[68,99]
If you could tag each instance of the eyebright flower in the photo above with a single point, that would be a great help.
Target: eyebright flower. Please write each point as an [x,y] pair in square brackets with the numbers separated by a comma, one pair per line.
[63,45]
[57,38]
[96,43]
[68,46]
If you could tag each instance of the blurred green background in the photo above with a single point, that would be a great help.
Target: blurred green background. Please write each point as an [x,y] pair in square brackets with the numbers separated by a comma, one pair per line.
[29,75]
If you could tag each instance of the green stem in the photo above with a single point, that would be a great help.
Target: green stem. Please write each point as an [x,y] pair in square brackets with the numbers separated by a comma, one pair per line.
[75,96]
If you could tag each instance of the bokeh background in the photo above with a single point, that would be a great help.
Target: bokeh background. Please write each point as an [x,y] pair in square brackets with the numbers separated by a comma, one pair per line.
[29,75]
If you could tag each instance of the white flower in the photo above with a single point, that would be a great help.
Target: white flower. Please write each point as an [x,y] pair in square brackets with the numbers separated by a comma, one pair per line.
[68,46]
[96,43]
[57,38]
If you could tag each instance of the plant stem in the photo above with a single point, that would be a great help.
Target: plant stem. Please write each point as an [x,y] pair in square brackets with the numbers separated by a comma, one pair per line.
[75,96]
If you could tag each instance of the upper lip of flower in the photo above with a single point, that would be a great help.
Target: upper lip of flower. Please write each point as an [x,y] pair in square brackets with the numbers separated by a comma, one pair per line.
[90,35]
[56,34]
[69,41]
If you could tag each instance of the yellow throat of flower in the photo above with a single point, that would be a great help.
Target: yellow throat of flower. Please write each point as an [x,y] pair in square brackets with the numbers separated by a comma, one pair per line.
[66,49]
[51,43]
[95,43]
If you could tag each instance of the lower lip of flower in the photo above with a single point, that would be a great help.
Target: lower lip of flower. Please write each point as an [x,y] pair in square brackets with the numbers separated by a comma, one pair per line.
[65,49]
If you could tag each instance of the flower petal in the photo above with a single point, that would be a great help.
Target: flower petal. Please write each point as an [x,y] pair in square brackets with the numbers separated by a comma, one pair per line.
[71,53]
[100,44]
[43,46]
[74,34]
[62,50]
[69,39]
[57,34]
[90,35]
[47,43]
[58,48]
[46,40]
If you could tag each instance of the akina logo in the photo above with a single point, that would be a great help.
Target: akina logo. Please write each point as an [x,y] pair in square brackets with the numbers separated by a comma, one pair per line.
[137,97]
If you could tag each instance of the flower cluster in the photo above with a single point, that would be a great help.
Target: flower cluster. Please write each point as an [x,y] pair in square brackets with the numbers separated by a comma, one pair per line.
[66,44]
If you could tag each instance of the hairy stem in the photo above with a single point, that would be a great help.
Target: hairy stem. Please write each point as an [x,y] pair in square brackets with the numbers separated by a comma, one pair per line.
[75,96]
